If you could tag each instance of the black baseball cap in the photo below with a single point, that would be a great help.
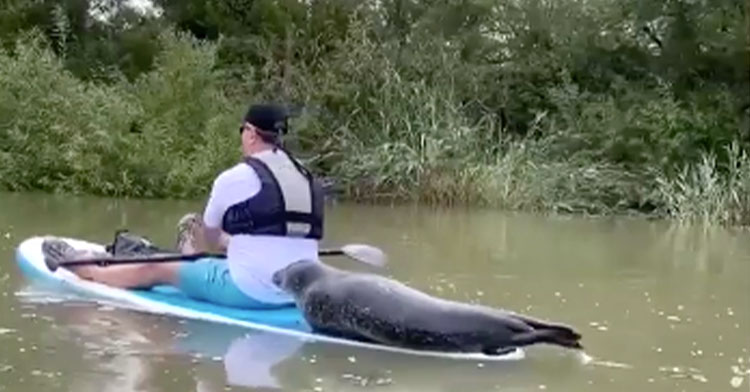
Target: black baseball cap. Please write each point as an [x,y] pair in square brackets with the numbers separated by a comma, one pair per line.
[268,117]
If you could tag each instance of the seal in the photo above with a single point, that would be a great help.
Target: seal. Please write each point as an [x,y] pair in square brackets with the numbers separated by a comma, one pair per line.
[376,309]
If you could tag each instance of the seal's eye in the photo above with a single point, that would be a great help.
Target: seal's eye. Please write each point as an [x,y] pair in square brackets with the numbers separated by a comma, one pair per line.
[276,278]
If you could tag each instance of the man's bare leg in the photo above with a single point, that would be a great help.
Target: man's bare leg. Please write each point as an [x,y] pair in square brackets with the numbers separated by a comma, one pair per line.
[190,239]
[146,275]
[131,276]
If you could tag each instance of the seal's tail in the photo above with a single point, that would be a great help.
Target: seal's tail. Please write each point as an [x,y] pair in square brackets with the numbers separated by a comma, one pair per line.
[556,335]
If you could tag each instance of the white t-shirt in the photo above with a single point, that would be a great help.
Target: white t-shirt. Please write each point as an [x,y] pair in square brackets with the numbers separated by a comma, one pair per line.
[253,259]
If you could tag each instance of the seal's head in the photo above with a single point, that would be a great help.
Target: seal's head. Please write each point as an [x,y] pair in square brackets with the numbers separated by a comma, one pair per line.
[296,277]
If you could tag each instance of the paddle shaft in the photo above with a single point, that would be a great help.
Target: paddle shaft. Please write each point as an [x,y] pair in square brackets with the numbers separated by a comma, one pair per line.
[158,258]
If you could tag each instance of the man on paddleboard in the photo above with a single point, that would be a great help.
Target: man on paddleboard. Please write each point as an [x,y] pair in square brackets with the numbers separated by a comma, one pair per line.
[266,211]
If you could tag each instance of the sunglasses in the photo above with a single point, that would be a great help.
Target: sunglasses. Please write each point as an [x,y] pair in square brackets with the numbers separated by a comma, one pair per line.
[242,128]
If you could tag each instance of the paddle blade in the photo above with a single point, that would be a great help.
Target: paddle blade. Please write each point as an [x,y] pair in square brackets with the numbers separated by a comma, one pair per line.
[366,254]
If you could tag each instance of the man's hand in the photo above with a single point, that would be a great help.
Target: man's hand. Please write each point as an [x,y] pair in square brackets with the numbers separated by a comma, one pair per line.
[215,239]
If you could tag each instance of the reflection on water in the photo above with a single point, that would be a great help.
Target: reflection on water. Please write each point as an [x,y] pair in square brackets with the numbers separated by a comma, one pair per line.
[126,351]
[123,346]
[661,307]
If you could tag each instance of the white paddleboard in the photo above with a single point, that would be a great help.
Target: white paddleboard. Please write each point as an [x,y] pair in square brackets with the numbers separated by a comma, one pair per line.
[169,301]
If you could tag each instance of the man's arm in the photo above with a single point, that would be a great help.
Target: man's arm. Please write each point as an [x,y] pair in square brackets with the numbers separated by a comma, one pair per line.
[224,194]
[214,238]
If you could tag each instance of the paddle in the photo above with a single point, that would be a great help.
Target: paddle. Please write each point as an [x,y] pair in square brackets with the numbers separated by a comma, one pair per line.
[360,252]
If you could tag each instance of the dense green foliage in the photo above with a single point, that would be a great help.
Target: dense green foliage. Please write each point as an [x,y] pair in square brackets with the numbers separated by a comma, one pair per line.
[599,106]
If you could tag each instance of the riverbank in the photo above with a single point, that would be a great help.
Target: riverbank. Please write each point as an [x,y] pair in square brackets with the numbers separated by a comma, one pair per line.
[576,126]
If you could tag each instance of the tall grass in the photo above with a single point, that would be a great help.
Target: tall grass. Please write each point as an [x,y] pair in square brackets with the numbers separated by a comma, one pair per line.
[705,193]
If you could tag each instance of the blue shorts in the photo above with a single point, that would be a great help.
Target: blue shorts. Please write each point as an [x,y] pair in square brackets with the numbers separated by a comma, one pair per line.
[209,280]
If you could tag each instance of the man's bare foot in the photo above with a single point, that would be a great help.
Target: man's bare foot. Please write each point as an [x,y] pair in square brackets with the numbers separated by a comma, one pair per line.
[60,251]
[189,237]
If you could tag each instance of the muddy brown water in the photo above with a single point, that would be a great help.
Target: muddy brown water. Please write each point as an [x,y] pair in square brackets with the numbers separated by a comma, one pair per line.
[661,306]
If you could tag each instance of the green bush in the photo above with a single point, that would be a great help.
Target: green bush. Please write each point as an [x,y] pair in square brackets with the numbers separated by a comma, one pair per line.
[592,107]
[166,134]
[56,128]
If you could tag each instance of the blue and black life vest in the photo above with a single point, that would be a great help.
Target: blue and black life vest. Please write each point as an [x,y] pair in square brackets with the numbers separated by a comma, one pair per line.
[290,202]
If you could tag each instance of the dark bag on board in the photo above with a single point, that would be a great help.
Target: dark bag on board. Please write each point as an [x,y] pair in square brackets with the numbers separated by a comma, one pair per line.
[129,244]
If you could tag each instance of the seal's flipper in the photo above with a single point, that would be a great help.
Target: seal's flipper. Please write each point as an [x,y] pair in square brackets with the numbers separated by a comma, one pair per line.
[563,330]
[550,336]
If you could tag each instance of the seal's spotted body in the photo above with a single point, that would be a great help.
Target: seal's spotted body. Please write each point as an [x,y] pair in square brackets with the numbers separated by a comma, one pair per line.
[376,309]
